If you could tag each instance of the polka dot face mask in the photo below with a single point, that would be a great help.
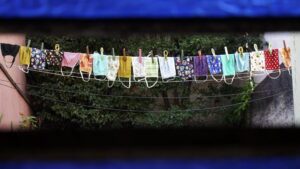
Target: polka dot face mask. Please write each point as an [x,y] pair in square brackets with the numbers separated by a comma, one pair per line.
[272,59]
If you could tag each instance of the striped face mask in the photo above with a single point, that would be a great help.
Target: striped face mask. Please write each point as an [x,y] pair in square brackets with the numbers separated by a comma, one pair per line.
[70,60]
[151,70]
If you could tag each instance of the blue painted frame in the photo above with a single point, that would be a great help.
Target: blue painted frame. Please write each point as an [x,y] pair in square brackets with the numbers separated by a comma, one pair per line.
[122,9]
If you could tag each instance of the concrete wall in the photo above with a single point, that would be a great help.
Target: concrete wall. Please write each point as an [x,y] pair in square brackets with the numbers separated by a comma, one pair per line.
[11,103]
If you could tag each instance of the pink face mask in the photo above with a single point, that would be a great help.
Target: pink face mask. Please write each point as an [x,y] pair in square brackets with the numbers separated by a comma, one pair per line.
[70,60]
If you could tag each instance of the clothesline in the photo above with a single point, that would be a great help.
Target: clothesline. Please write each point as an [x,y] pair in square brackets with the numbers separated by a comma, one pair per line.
[93,93]
[226,66]
[152,111]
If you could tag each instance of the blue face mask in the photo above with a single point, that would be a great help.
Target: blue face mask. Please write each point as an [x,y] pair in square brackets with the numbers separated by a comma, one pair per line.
[242,62]
[100,64]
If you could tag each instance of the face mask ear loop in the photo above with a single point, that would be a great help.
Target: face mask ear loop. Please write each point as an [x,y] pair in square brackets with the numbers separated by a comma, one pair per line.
[108,85]
[123,84]
[62,72]
[232,79]
[272,77]
[200,81]
[23,70]
[85,80]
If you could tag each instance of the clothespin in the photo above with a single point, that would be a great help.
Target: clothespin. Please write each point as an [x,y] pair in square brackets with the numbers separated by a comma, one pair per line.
[152,55]
[101,51]
[270,48]
[166,54]
[140,56]
[199,53]
[213,52]
[124,54]
[226,52]
[57,48]
[256,49]
[182,55]
[241,51]
[28,42]
[87,51]
[284,45]
[113,53]
[42,46]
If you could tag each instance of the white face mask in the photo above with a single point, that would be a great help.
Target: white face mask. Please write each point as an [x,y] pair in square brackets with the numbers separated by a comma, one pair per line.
[138,68]
[257,60]
[113,67]
[151,70]
[167,67]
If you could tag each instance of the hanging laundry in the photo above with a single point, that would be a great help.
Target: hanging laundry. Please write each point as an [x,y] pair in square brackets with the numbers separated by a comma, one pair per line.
[242,62]
[257,60]
[185,67]
[167,67]
[125,69]
[228,65]
[138,67]
[86,63]
[151,67]
[70,60]
[200,66]
[272,59]
[53,58]
[113,67]
[151,70]
[214,64]
[24,54]
[286,57]
[100,64]
[9,50]
[38,59]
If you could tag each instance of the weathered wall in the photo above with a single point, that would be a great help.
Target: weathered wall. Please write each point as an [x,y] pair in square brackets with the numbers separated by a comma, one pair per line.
[11,103]
[276,111]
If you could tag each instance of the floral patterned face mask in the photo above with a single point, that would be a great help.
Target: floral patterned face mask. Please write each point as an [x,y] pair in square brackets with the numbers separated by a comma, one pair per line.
[185,67]
[53,58]
[257,60]
[38,59]
[113,67]
[86,65]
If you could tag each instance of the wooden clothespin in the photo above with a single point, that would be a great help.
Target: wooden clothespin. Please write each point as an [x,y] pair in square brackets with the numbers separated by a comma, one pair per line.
[213,52]
[241,51]
[28,42]
[87,51]
[140,56]
[226,52]
[152,56]
[182,55]
[101,51]
[113,53]
[57,48]
[200,53]
[256,49]
[124,54]
[166,53]
[42,46]
[270,48]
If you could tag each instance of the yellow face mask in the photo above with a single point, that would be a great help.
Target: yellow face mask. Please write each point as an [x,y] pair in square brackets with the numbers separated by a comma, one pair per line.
[25,54]
[125,67]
